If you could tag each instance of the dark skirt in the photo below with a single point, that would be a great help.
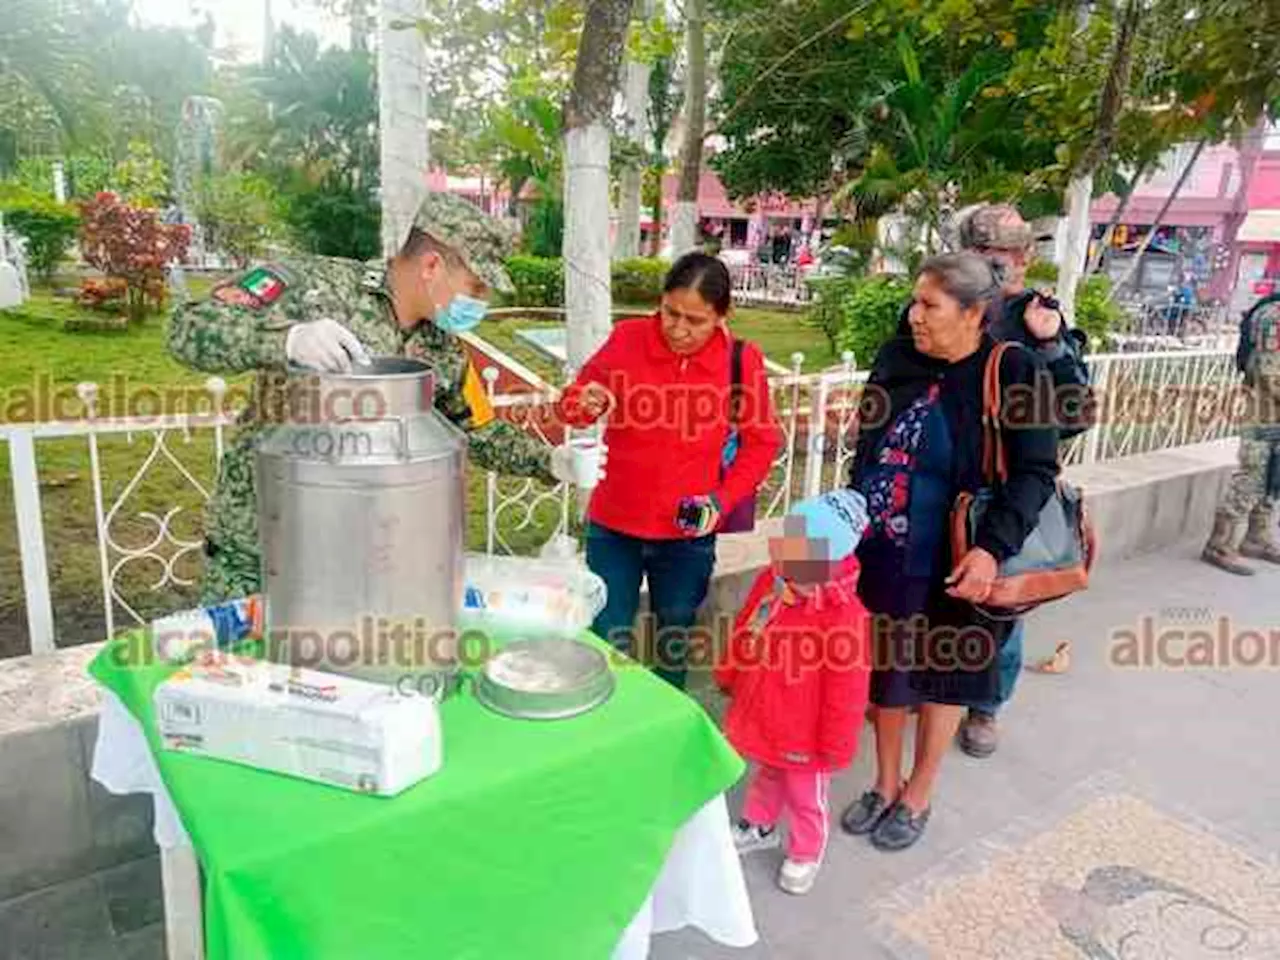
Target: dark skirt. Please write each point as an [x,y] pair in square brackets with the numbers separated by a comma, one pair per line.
[929,647]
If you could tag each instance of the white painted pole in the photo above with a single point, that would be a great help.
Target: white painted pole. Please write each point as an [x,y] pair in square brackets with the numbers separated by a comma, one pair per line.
[35,567]
[402,112]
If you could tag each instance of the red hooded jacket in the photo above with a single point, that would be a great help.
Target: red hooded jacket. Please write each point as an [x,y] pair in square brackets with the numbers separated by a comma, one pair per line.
[797,670]
[668,430]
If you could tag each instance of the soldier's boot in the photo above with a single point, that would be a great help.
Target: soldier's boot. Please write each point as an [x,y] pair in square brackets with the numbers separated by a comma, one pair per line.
[1259,541]
[1220,551]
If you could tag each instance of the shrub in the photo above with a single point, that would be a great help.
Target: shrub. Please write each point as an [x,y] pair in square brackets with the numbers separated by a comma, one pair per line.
[86,174]
[130,244]
[871,309]
[544,230]
[141,177]
[335,220]
[48,226]
[1042,273]
[638,280]
[103,293]
[236,211]
[538,281]
[827,311]
[1096,314]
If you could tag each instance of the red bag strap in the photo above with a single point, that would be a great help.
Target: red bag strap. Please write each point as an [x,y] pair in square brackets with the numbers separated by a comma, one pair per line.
[995,461]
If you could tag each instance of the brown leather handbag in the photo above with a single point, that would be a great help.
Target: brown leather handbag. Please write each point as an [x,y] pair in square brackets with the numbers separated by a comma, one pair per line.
[1055,559]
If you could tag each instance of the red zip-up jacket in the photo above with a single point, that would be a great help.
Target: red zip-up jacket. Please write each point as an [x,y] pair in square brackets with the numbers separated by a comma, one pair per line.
[798,671]
[667,432]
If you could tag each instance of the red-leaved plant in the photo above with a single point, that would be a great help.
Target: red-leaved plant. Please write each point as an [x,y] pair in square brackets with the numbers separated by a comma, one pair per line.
[130,244]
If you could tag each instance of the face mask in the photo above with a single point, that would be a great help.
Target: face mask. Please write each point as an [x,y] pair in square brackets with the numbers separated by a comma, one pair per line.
[462,314]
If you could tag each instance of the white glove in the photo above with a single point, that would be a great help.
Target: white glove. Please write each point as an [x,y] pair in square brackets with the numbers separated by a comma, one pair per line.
[581,465]
[324,345]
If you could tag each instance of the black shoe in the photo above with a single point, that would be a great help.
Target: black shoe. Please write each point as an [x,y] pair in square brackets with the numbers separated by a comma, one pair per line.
[899,829]
[864,814]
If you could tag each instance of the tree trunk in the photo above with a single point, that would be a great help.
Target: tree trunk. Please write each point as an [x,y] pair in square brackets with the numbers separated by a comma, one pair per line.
[1136,264]
[1075,246]
[586,184]
[684,219]
[402,120]
[1099,260]
[655,244]
[1080,188]
[627,243]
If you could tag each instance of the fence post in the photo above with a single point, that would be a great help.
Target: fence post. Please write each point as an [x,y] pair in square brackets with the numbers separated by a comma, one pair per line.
[35,567]
[817,439]
[1103,407]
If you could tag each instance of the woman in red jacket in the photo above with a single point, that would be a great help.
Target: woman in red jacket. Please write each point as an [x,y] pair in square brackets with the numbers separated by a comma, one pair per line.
[679,460]
[797,669]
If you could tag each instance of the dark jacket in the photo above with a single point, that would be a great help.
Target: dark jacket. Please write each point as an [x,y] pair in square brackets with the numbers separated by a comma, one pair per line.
[901,374]
[1063,358]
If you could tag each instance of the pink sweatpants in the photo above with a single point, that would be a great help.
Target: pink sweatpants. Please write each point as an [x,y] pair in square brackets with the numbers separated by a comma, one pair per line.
[799,794]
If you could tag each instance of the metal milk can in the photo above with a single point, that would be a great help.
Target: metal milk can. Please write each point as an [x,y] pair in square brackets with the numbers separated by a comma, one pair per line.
[361,512]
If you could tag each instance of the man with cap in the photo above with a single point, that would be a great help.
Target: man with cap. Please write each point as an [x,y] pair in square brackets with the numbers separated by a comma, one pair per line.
[327,314]
[998,232]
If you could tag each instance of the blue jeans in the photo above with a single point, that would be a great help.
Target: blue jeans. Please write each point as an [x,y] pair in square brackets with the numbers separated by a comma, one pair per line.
[678,571]
[1009,663]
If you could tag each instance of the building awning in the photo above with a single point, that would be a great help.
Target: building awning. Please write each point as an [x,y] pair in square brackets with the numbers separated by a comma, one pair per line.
[1260,226]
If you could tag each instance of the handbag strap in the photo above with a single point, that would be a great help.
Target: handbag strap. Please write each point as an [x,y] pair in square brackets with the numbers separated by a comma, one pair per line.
[995,459]
[735,382]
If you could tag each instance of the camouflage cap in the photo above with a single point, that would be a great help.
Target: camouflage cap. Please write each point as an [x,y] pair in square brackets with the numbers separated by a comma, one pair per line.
[482,241]
[994,226]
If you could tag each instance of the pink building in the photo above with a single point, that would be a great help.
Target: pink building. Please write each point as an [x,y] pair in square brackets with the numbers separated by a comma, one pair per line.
[1223,229]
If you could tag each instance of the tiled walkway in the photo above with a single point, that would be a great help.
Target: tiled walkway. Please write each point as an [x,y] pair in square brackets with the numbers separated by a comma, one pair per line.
[1131,812]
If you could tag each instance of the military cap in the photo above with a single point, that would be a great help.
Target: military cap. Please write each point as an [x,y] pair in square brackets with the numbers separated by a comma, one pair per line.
[481,241]
[994,226]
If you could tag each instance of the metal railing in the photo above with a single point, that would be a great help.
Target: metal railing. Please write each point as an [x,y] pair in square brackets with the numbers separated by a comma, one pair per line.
[1145,402]
[768,283]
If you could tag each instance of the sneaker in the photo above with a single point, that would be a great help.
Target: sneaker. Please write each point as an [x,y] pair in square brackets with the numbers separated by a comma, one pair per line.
[798,878]
[979,735]
[748,838]
[900,828]
[864,814]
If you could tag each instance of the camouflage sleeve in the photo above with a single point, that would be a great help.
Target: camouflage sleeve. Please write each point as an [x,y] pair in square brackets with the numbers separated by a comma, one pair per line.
[241,326]
[461,396]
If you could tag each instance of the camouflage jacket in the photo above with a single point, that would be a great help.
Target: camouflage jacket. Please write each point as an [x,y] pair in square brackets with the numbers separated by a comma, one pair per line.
[1262,372]
[243,324]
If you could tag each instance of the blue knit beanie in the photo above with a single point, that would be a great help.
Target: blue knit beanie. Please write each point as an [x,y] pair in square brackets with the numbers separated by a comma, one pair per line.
[838,517]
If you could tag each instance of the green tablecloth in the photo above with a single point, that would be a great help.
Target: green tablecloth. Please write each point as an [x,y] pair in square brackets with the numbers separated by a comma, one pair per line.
[535,840]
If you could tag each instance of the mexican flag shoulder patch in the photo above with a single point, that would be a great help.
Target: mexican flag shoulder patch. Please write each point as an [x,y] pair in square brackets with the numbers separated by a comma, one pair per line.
[257,289]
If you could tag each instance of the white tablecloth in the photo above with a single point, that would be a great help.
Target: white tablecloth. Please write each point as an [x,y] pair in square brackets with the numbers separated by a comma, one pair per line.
[701,884]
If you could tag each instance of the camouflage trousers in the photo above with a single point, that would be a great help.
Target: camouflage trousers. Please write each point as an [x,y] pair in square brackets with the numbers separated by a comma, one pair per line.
[232,560]
[1252,485]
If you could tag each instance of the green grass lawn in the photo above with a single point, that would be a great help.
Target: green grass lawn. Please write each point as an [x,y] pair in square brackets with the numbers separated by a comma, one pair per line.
[779,333]
[43,362]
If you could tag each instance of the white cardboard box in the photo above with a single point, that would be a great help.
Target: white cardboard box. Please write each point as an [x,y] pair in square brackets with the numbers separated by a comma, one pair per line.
[349,733]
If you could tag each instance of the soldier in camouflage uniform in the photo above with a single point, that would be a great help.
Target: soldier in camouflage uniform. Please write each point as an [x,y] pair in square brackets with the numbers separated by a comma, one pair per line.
[1255,485]
[326,313]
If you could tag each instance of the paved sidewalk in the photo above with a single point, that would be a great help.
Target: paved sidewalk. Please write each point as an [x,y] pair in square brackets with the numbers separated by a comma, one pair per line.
[1129,813]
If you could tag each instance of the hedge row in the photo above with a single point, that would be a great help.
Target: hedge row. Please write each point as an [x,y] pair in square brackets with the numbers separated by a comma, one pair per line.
[539,281]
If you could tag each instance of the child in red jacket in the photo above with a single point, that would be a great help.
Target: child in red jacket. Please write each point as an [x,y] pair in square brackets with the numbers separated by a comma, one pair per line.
[797,670]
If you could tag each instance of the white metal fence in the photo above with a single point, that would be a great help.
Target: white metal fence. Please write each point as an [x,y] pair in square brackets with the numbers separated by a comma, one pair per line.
[768,283]
[1145,402]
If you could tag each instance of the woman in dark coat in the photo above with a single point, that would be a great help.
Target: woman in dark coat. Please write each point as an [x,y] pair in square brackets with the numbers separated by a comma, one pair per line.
[919,446]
